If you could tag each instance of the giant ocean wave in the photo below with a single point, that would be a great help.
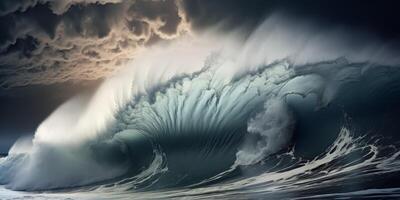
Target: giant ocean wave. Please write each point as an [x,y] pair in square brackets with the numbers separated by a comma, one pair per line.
[222,117]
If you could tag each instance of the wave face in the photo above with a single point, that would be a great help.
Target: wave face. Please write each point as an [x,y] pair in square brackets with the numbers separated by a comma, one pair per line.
[271,115]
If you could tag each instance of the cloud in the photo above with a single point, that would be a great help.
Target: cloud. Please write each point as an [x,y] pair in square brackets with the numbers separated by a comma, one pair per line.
[46,42]
[58,7]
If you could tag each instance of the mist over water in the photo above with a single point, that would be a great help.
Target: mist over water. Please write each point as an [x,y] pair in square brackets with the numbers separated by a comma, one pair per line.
[279,112]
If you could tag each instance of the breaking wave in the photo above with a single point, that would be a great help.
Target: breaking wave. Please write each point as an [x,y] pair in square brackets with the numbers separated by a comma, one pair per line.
[221,117]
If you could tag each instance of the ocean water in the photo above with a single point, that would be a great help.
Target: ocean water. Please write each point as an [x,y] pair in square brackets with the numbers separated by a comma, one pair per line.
[221,121]
[234,140]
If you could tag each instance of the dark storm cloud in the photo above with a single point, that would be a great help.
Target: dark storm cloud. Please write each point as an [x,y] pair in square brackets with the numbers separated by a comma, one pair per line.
[45,42]
[58,6]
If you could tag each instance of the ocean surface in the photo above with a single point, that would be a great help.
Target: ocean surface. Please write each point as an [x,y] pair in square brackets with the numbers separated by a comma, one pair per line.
[279,115]
[231,140]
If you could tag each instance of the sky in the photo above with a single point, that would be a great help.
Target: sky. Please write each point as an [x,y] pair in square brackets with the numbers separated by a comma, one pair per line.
[51,50]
